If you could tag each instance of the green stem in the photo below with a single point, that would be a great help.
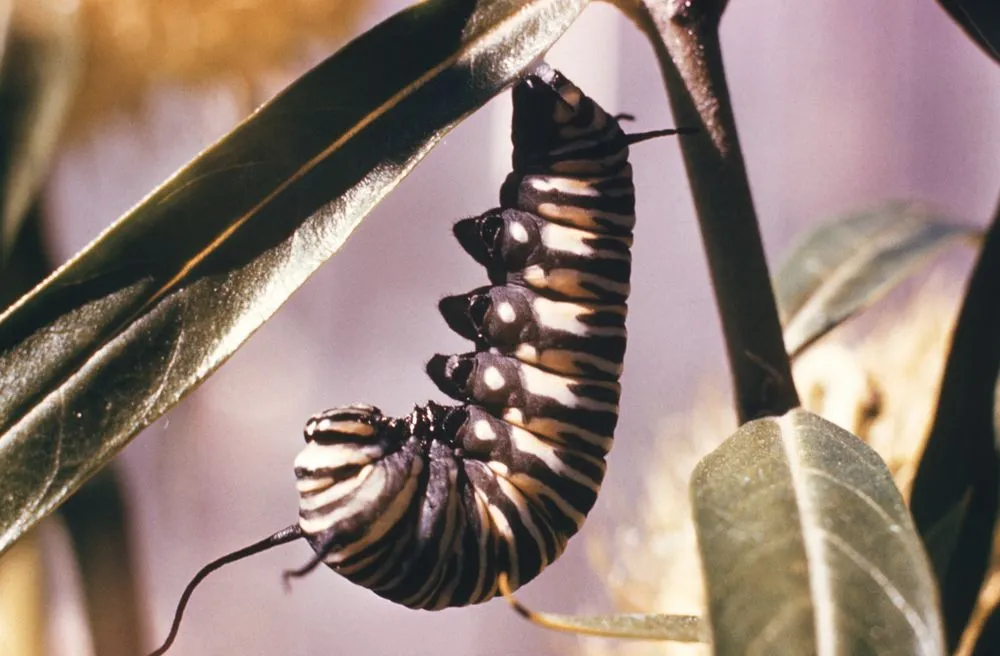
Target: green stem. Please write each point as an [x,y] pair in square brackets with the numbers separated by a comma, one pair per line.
[685,36]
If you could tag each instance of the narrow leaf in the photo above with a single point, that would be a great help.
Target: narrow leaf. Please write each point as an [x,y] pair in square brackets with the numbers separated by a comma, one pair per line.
[943,537]
[6,9]
[41,67]
[807,546]
[849,263]
[988,642]
[29,262]
[960,465]
[980,20]
[632,626]
[24,609]
[161,299]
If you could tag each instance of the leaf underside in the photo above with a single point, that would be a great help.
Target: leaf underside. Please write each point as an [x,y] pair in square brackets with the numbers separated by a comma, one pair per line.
[145,313]
[980,20]
[807,546]
[847,264]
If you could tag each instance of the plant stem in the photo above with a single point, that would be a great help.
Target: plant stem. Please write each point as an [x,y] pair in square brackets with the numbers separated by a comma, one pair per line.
[685,36]
[960,461]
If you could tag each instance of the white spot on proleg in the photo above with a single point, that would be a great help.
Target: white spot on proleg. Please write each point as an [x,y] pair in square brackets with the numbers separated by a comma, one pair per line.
[484,431]
[518,233]
[506,312]
[493,378]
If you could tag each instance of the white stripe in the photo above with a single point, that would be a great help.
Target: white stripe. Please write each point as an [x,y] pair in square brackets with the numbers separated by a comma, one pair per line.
[565,317]
[542,383]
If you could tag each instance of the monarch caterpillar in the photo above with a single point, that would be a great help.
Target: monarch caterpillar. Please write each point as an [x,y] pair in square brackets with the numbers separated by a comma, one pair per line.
[430,509]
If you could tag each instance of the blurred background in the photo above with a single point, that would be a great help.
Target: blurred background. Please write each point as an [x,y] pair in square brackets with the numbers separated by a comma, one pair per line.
[839,105]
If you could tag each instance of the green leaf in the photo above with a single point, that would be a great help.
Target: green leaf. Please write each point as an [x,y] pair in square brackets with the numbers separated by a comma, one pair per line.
[845,265]
[980,20]
[807,546]
[632,626]
[118,335]
[628,626]
[41,67]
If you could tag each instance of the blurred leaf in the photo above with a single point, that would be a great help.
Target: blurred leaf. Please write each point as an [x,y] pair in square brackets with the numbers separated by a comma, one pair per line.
[96,521]
[849,263]
[988,642]
[960,465]
[942,539]
[139,318]
[6,8]
[980,19]
[41,67]
[95,517]
[28,263]
[807,546]
[23,607]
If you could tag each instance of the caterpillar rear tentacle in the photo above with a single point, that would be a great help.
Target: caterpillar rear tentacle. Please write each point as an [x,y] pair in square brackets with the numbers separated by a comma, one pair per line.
[434,509]
[284,536]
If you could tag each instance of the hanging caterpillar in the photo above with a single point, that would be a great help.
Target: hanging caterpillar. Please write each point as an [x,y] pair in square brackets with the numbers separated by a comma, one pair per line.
[429,510]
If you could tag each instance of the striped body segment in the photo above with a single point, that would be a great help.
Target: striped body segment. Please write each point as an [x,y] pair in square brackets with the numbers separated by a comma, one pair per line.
[427,510]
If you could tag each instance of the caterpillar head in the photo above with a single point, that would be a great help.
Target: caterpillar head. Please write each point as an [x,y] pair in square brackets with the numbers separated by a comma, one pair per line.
[340,443]
[349,458]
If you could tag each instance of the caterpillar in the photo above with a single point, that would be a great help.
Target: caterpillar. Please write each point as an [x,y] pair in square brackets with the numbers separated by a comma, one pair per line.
[431,509]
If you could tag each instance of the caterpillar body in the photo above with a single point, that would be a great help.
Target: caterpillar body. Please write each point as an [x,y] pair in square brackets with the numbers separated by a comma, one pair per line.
[428,510]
